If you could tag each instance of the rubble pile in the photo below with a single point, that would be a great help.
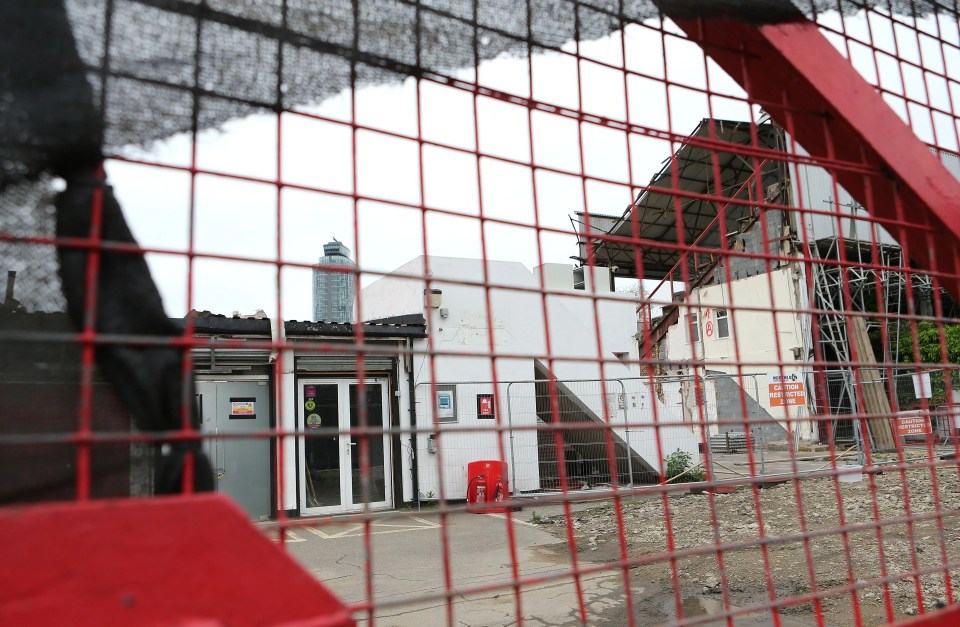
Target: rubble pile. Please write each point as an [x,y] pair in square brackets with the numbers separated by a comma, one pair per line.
[830,558]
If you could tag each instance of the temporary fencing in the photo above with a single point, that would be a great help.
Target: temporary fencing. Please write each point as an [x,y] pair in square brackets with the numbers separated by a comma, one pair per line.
[750,364]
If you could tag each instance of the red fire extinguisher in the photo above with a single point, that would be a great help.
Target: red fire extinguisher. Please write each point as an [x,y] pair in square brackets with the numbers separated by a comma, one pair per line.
[498,491]
[480,495]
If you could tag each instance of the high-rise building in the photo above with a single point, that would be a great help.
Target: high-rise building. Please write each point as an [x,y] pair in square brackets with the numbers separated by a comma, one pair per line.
[332,289]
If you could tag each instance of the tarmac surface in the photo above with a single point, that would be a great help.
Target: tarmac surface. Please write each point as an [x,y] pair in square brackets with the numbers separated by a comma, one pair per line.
[408,579]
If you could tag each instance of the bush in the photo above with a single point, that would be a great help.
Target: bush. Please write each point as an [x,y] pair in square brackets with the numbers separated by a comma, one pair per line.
[679,461]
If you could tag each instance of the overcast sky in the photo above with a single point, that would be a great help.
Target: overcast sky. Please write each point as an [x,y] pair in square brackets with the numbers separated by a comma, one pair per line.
[240,218]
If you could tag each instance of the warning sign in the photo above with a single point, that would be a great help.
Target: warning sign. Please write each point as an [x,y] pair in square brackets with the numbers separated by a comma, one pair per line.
[485,406]
[787,389]
[913,423]
[243,408]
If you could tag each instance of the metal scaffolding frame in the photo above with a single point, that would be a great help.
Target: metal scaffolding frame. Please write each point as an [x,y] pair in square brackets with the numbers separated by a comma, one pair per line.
[875,282]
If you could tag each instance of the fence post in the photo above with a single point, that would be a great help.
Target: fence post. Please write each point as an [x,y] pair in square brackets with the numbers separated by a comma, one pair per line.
[513,459]
[756,398]
[626,431]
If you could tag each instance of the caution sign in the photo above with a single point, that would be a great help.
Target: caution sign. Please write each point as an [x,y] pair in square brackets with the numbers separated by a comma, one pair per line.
[787,389]
[913,423]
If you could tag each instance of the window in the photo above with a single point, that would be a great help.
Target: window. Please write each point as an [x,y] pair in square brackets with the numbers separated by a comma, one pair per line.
[723,324]
[693,326]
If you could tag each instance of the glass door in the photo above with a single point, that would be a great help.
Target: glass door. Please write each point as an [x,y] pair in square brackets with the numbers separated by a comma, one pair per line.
[332,452]
[321,447]
[372,402]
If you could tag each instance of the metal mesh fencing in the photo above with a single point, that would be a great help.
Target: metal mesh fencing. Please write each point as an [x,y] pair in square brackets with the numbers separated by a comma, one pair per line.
[645,312]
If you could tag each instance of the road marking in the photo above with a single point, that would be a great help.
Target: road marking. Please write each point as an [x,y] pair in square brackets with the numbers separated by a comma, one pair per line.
[290,538]
[346,533]
[426,523]
[376,529]
[317,532]
[515,519]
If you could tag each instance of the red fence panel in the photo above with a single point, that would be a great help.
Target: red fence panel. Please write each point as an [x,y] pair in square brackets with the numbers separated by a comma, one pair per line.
[688,271]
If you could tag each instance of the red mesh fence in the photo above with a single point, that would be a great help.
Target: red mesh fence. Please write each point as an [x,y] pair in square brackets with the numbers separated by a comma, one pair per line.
[684,276]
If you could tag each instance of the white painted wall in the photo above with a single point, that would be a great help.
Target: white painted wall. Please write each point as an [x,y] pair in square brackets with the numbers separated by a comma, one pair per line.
[286,395]
[477,343]
[757,338]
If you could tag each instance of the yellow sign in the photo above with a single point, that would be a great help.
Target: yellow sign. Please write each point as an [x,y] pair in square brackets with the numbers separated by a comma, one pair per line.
[241,408]
[310,405]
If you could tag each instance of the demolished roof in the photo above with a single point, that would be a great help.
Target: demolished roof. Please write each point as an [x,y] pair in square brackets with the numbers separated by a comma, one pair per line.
[612,241]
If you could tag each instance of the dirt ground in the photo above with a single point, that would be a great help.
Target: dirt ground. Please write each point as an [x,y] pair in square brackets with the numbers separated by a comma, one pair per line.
[833,559]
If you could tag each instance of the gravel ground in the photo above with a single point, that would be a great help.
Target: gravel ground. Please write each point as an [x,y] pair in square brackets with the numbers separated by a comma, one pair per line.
[743,576]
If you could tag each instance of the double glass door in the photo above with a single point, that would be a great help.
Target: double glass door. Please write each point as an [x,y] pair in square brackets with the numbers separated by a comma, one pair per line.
[333,475]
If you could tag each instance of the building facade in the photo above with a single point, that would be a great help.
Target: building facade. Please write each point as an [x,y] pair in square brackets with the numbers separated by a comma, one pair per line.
[758,337]
[333,289]
[513,361]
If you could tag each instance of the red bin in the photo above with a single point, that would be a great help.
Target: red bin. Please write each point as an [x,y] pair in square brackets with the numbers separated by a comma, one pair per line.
[487,483]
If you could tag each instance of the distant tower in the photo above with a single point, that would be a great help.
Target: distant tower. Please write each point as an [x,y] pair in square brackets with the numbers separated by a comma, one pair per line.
[333,291]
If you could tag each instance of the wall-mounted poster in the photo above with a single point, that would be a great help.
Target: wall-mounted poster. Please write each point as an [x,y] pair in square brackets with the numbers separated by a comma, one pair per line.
[243,408]
[446,403]
[485,406]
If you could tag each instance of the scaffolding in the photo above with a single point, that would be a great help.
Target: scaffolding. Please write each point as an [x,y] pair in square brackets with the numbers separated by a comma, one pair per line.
[851,274]
[855,265]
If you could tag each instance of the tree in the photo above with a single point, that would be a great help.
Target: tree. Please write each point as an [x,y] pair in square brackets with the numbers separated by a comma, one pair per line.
[929,351]
[928,343]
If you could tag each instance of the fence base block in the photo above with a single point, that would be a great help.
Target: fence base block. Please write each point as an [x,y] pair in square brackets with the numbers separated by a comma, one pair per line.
[173,560]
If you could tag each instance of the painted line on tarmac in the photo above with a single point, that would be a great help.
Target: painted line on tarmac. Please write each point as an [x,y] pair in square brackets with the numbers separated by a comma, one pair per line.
[515,519]
[378,529]
[290,538]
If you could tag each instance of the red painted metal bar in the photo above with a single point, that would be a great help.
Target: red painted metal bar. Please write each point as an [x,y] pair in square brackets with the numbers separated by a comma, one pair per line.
[84,564]
[836,113]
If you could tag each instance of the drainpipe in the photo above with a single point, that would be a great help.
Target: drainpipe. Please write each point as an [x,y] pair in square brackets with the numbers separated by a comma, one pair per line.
[411,400]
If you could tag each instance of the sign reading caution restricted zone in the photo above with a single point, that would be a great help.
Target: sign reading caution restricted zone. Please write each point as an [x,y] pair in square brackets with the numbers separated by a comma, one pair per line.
[787,389]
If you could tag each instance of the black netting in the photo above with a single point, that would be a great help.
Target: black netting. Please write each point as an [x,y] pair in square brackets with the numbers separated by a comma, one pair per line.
[173,65]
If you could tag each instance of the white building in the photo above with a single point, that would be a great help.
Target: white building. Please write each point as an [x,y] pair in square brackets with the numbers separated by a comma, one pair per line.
[733,324]
[422,343]
[517,332]
[726,326]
